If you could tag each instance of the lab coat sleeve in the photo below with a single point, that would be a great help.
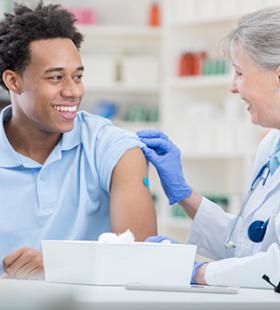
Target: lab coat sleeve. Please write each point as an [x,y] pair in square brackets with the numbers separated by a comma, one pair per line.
[210,229]
[246,271]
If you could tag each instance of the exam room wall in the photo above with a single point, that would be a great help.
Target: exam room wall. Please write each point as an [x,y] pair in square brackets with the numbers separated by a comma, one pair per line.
[210,126]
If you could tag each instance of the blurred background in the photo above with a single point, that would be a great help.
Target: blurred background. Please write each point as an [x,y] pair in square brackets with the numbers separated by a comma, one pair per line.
[159,65]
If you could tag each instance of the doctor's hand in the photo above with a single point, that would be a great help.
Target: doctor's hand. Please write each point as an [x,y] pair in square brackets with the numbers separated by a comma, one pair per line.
[165,156]
[160,239]
[198,273]
[24,263]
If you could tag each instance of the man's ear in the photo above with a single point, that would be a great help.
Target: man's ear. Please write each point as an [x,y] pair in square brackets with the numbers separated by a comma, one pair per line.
[12,80]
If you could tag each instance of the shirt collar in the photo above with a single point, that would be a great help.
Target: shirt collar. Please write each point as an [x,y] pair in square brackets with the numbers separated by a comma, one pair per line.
[10,158]
[274,160]
[72,138]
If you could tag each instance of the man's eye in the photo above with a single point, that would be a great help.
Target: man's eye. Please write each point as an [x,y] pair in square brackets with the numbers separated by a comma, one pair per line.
[238,73]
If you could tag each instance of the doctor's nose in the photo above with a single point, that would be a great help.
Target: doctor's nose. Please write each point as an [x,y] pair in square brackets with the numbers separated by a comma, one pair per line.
[233,88]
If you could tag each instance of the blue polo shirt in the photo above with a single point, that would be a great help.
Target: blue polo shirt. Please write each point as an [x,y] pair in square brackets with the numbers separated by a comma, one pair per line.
[68,196]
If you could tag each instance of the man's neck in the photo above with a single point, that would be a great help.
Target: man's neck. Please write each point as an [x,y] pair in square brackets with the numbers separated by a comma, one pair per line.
[31,143]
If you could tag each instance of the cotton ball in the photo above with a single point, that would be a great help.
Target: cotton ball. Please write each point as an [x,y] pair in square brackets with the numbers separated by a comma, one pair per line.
[126,237]
[108,238]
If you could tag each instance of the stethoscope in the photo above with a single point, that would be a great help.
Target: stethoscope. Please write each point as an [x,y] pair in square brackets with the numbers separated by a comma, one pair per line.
[257,229]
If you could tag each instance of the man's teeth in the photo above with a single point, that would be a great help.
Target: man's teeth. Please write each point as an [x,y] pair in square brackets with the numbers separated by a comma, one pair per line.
[66,109]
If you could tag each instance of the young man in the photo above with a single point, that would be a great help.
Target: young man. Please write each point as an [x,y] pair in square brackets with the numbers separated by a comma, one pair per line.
[64,174]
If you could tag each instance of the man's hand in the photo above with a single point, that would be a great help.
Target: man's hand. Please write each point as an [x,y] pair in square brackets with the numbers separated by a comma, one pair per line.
[24,263]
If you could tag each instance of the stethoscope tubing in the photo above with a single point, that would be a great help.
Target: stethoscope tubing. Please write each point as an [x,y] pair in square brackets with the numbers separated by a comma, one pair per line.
[230,244]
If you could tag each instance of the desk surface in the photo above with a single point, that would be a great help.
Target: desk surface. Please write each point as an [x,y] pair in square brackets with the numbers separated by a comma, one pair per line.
[103,297]
[106,297]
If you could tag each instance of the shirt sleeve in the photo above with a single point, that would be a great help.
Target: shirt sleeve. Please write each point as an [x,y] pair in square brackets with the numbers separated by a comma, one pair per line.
[112,144]
[246,271]
[210,229]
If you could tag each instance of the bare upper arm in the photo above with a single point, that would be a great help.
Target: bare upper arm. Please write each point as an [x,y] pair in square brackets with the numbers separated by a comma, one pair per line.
[131,205]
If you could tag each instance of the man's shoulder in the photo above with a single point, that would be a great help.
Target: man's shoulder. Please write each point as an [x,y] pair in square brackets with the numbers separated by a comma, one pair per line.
[88,119]
[100,128]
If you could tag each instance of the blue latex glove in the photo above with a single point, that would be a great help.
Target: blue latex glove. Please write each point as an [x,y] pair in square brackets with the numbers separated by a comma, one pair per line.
[165,156]
[196,267]
[159,239]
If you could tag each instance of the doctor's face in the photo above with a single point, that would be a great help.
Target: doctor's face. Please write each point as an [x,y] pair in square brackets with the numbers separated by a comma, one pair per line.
[258,87]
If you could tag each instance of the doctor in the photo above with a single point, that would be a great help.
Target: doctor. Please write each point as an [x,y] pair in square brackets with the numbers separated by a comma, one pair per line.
[246,246]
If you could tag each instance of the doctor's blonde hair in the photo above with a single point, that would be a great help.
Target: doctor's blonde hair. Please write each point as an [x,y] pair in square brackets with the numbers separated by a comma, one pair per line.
[259,34]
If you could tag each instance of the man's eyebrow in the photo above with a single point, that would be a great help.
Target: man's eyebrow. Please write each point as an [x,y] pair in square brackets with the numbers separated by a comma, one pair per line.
[50,70]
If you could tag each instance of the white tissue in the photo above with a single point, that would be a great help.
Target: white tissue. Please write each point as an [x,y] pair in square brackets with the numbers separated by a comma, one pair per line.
[108,238]
[126,237]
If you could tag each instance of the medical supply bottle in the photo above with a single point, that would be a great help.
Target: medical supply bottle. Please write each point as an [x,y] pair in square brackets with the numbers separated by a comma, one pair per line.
[185,63]
[154,14]
[199,56]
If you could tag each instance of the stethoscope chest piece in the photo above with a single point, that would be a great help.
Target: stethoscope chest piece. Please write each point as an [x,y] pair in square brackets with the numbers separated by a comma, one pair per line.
[257,230]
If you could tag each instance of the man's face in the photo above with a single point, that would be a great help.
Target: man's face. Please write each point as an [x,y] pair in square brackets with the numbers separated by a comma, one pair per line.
[51,86]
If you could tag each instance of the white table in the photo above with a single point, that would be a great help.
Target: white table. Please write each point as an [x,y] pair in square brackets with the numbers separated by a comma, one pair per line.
[90,297]
[18,294]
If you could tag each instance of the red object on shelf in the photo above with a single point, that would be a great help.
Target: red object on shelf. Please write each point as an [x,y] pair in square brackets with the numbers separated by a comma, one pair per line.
[198,59]
[186,64]
[154,14]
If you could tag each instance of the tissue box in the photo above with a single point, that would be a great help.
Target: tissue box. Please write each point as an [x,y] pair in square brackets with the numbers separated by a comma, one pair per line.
[95,263]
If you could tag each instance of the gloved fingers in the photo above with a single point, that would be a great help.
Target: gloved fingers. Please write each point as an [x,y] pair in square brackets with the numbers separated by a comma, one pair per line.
[159,145]
[196,267]
[151,134]
[150,154]
[160,239]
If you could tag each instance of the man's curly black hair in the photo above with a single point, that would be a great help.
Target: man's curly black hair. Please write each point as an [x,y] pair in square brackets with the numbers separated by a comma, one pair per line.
[25,25]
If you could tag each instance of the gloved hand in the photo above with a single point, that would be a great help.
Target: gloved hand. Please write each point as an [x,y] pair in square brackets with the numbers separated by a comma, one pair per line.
[196,267]
[159,239]
[165,156]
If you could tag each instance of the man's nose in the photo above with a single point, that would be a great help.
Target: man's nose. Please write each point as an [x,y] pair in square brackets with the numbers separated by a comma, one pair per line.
[72,89]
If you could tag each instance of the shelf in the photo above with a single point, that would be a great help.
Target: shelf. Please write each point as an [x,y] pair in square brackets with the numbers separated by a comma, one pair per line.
[125,89]
[129,31]
[175,223]
[215,156]
[202,21]
[202,81]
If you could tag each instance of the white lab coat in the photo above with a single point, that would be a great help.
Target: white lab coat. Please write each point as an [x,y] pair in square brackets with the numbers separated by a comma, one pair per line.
[244,265]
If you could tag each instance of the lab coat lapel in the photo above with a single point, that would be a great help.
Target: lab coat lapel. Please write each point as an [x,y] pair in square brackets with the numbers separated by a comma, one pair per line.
[262,193]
